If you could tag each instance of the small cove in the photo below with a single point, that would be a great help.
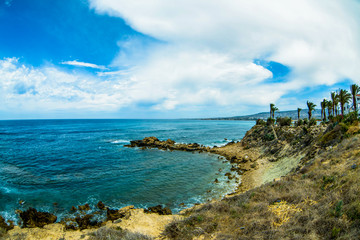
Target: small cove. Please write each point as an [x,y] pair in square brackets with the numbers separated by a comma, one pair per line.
[73,162]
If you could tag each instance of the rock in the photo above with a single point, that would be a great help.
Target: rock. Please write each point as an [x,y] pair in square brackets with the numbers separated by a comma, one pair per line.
[159,210]
[18,211]
[33,218]
[233,168]
[7,226]
[126,211]
[84,207]
[70,226]
[170,142]
[101,205]
[113,214]
[86,222]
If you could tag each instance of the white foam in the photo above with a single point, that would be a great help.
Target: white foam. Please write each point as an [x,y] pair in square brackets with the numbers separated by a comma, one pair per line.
[120,141]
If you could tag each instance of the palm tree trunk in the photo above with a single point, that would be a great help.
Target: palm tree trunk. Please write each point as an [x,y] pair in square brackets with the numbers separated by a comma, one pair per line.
[354,102]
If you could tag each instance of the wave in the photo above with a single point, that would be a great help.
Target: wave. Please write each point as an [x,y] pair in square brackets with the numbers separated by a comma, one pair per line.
[120,141]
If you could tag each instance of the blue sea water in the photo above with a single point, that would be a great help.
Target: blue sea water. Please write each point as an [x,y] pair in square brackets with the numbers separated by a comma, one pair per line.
[73,162]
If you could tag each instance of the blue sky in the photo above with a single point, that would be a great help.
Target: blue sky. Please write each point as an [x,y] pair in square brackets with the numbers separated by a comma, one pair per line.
[136,59]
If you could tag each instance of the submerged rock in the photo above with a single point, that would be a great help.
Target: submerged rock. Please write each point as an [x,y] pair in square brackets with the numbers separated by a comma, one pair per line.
[159,210]
[33,218]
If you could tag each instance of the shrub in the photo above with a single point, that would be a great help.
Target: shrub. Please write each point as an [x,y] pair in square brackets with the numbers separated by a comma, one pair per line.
[338,209]
[269,137]
[299,122]
[306,121]
[260,122]
[270,121]
[283,121]
[351,118]
[312,122]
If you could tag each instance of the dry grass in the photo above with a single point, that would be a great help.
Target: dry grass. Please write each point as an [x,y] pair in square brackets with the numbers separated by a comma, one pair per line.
[105,233]
[320,200]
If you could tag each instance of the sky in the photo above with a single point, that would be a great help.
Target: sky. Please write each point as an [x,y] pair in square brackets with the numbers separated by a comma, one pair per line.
[173,59]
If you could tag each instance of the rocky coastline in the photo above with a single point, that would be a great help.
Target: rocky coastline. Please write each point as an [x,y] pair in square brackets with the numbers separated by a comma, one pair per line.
[266,154]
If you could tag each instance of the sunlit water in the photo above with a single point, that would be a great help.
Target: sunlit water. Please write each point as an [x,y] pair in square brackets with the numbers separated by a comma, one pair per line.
[72,162]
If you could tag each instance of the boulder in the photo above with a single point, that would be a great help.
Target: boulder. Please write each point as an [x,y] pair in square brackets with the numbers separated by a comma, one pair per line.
[33,218]
[113,214]
[84,207]
[101,205]
[159,210]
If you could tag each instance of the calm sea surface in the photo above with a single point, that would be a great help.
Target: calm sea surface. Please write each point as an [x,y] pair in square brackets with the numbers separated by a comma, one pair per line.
[73,162]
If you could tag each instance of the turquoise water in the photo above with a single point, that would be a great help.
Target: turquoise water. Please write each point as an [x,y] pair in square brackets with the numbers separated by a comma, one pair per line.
[73,162]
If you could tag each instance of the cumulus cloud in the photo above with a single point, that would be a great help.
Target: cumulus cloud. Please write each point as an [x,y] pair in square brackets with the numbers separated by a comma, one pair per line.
[83,64]
[211,47]
[206,56]
[24,88]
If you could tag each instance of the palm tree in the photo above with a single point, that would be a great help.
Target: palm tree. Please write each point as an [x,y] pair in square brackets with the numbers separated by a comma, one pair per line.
[271,109]
[323,109]
[337,99]
[299,110]
[354,91]
[333,99]
[344,97]
[311,106]
[329,107]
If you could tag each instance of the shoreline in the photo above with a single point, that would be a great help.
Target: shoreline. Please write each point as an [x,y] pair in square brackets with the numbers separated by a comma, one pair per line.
[248,161]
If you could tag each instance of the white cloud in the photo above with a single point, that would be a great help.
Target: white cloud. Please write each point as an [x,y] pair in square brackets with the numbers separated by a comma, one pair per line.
[204,59]
[83,64]
[47,88]
[211,47]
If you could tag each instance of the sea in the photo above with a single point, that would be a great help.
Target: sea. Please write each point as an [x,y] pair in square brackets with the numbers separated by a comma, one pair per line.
[52,165]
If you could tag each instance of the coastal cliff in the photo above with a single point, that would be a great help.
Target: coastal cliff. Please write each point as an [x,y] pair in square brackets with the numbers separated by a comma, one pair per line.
[296,182]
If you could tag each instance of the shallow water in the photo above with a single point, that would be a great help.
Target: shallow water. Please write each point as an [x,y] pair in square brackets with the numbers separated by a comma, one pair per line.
[72,162]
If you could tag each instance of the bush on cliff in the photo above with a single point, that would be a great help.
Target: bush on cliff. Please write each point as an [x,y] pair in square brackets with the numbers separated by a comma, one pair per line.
[312,122]
[270,121]
[299,122]
[283,121]
[260,122]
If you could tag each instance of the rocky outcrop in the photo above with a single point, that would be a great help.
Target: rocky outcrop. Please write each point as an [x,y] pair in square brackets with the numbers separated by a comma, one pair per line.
[33,218]
[101,205]
[6,225]
[86,221]
[159,210]
[114,214]
[153,142]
